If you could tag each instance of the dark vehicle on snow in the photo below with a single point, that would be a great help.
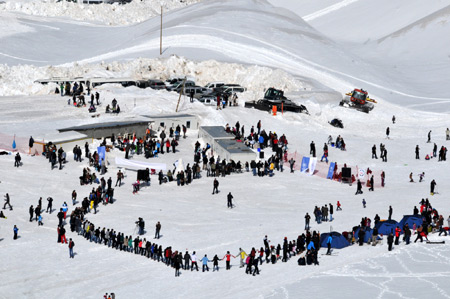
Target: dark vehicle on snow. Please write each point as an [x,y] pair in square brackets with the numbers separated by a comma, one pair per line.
[275,97]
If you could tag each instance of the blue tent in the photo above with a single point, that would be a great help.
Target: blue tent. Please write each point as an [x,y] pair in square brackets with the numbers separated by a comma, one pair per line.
[411,219]
[338,242]
[367,234]
[385,227]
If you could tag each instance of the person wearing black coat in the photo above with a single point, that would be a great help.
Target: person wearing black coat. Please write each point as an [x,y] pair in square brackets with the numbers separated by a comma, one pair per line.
[390,240]
[358,188]
[215,186]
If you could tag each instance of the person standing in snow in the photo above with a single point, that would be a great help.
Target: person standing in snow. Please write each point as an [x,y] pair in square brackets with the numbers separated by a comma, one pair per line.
[205,261]
[30,144]
[393,119]
[312,149]
[31,211]
[291,164]
[17,159]
[429,137]
[390,240]
[307,219]
[242,255]
[215,186]
[157,230]
[371,183]
[228,259]
[417,152]
[49,204]
[390,212]
[387,132]
[374,152]
[71,245]
[15,230]
[358,187]
[229,200]
[329,240]
[194,262]
[432,186]
[364,203]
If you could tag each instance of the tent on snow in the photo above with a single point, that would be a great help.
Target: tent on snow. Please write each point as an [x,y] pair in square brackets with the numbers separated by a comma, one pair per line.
[338,242]
[385,227]
[411,220]
[367,234]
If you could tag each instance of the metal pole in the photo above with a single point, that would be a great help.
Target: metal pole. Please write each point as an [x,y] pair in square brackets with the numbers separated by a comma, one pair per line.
[181,92]
[160,35]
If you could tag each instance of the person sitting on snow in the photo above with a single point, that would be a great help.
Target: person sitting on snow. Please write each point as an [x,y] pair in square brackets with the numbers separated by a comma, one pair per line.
[92,109]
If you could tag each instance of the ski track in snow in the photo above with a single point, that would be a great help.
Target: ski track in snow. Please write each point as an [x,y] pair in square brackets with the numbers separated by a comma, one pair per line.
[327,10]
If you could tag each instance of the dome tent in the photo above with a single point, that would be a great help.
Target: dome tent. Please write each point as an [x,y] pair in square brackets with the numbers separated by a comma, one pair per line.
[385,227]
[338,242]
[411,220]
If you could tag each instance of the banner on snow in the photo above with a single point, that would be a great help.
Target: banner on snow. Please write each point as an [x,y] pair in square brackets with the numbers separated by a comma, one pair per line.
[361,174]
[101,150]
[133,164]
[312,165]
[305,164]
[330,171]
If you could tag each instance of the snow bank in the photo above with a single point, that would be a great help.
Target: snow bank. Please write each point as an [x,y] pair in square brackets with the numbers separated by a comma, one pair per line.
[18,80]
[109,14]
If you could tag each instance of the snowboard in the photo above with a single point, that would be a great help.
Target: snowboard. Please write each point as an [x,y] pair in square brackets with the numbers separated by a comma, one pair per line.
[435,242]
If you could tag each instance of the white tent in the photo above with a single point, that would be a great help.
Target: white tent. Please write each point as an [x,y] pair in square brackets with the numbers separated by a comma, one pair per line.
[133,164]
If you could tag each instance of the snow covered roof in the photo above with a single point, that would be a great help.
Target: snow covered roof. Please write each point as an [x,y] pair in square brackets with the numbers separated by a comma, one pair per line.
[103,125]
[216,132]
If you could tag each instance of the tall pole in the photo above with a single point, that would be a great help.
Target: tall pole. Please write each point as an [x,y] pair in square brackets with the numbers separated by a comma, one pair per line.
[160,36]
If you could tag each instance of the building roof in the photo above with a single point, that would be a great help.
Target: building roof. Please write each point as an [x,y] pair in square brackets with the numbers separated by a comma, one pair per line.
[169,116]
[234,147]
[217,132]
[61,137]
[103,125]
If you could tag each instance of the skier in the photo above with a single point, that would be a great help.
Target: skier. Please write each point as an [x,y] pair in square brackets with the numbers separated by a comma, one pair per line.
[229,202]
[7,202]
[157,230]
[432,186]
[358,188]
[215,186]
[71,245]
[15,230]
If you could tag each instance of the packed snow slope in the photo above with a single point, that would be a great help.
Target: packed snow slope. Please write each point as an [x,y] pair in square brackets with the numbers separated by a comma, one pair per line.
[245,31]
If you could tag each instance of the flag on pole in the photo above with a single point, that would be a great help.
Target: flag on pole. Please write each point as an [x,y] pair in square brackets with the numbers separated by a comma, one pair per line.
[14,143]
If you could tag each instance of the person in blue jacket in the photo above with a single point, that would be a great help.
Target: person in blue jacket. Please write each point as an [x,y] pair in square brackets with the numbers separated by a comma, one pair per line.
[329,240]
[205,261]
[16,230]
[311,246]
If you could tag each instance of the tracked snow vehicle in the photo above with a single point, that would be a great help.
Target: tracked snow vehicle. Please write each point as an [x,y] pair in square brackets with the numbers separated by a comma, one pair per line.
[358,99]
[275,97]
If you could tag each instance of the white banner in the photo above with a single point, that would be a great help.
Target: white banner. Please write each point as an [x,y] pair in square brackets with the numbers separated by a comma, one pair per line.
[312,165]
[133,164]
[361,174]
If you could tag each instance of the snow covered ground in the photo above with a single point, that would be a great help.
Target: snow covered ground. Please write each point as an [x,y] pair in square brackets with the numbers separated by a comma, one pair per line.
[252,43]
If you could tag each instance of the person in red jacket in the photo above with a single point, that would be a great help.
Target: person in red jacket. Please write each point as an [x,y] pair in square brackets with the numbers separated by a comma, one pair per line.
[227,258]
[397,234]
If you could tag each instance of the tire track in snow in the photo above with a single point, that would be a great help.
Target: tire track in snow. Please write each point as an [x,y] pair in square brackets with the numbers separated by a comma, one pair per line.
[327,10]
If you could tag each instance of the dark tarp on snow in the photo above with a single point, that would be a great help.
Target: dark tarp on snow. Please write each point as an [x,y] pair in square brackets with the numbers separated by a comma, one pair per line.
[367,234]
[338,242]
[337,123]
[385,227]
[411,219]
